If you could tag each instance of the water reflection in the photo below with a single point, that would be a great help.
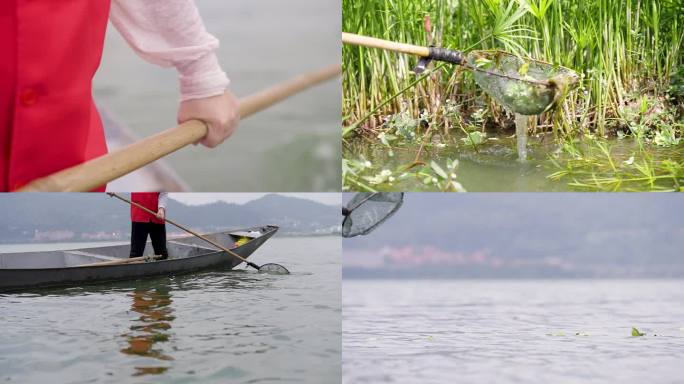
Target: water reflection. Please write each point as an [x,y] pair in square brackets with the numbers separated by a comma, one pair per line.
[150,330]
[228,326]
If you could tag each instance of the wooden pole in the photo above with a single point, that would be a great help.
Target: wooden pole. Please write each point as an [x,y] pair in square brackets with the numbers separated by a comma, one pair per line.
[372,42]
[99,171]
[131,260]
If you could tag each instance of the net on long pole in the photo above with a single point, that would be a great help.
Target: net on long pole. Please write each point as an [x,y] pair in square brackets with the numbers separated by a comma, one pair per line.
[525,86]
[366,211]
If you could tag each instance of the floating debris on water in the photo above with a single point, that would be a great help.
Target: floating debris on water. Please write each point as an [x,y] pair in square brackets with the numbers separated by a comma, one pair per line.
[563,334]
[636,333]
[556,334]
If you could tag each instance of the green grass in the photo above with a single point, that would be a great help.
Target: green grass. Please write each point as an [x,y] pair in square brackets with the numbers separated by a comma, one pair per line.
[629,53]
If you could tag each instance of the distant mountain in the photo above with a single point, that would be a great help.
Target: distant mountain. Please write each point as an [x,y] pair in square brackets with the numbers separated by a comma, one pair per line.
[525,235]
[93,216]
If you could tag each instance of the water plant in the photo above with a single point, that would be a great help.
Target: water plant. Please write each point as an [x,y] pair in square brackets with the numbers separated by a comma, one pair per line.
[360,175]
[594,165]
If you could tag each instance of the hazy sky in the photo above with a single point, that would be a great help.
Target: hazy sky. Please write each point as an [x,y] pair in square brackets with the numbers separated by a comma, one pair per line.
[630,233]
[241,198]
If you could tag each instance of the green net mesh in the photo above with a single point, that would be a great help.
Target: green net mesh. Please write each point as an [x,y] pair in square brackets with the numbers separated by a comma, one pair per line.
[524,86]
[365,211]
[274,269]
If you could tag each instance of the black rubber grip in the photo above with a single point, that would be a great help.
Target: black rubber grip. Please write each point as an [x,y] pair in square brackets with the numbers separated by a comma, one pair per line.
[448,55]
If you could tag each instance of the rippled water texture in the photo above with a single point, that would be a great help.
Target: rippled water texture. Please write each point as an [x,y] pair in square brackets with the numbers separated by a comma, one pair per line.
[512,331]
[218,326]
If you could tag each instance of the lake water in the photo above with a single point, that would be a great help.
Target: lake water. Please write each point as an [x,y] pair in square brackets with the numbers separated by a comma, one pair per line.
[493,166]
[293,146]
[212,327]
[505,331]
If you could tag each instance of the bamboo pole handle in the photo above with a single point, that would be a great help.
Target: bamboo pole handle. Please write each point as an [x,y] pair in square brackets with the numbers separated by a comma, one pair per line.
[101,170]
[372,42]
[261,100]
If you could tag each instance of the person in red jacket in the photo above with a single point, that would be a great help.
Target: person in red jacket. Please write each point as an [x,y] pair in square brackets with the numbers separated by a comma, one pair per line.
[144,223]
[49,53]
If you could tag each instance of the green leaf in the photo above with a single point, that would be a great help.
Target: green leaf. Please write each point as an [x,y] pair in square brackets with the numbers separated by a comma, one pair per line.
[482,62]
[644,105]
[474,138]
[438,170]
[636,333]
[457,187]
[383,139]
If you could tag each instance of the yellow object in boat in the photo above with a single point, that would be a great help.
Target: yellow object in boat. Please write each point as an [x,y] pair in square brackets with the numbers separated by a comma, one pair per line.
[242,241]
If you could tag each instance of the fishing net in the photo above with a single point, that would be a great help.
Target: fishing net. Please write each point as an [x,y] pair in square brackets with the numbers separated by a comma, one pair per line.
[274,269]
[365,211]
[524,86]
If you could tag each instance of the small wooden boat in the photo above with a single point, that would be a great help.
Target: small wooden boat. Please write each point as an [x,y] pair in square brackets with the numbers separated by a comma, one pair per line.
[80,266]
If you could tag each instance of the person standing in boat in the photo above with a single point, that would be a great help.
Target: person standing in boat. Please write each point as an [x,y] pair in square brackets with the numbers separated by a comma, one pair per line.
[143,223]
[50,53]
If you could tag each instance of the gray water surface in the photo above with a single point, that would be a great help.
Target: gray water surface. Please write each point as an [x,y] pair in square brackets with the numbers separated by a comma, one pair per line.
[503,331]
[293,146]
[211,327]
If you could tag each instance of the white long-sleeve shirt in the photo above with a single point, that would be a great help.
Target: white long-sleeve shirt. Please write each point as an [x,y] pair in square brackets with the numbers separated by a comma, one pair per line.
[162,200]
[171,33]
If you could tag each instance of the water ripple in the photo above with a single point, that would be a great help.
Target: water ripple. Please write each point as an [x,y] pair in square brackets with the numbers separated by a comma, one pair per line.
[512,331]
[216,326]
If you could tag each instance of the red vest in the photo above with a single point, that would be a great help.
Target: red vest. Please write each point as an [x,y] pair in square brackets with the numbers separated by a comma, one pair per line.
[149,200]
[49,50]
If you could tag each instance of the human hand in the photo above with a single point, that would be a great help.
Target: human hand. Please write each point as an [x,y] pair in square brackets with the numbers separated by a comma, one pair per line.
[220,113]
[161,214]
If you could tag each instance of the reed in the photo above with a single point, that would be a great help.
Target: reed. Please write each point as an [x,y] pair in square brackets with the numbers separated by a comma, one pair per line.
[623,48]
[628,52]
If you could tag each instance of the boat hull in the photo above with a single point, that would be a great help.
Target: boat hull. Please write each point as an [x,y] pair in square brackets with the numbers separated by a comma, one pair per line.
[190,256]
